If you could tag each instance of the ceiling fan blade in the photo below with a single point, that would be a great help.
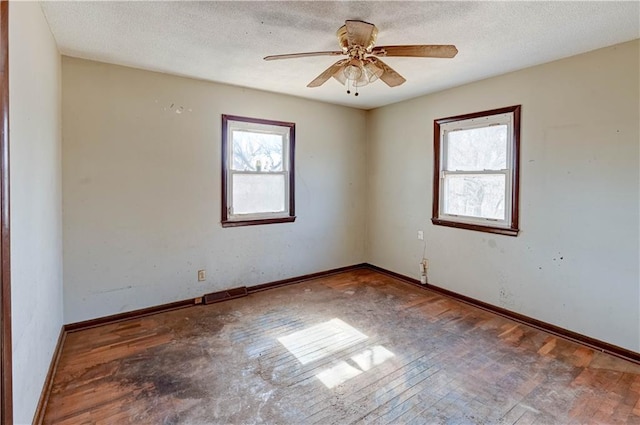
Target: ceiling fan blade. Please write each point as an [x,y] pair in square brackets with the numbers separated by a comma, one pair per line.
[303,55]
[359,33]
[419,51]
[328,73]
[390,76]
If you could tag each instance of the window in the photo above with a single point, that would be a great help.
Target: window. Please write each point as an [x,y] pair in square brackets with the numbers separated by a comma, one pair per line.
[475,182]
[257,171]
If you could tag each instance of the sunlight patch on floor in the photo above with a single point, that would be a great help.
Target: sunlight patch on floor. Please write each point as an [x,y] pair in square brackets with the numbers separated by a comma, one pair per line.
[331,337]
[372,357]
[319,341]
[357,364]
[337,374]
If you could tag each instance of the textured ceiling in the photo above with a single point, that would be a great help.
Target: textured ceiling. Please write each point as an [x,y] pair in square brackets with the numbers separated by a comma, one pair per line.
[226,41]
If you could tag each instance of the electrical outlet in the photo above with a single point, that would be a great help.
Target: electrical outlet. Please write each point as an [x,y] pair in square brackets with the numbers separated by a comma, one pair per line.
[425,262]
[202,275]
[420,235]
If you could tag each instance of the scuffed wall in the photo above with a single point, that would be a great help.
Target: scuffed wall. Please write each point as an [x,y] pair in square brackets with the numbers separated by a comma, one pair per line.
[36,198]
[141,161]
[575,263]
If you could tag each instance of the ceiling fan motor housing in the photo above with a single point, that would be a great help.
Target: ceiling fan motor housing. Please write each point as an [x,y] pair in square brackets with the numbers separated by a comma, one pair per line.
[343,39]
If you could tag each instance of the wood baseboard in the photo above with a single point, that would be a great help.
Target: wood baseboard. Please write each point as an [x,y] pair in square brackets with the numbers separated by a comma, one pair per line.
[304,278]
[593,343]
[38,417]
[92,323]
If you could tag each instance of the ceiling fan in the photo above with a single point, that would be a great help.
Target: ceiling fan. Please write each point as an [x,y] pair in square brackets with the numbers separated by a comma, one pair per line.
[363,65]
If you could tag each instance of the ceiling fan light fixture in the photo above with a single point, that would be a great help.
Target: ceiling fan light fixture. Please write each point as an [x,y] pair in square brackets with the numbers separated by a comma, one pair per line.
[362,81]
[340,76]
[359,72]
[372,71]
[354,70]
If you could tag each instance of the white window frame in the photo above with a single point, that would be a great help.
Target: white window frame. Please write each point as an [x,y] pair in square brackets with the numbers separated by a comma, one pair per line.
[232,124]
[442,128]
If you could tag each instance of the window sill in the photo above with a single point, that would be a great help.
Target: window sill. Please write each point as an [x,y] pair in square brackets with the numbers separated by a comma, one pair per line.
[256,222]
[477,227]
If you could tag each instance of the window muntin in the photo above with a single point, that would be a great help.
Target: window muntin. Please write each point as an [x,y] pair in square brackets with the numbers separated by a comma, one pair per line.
[476,173]
[257,171]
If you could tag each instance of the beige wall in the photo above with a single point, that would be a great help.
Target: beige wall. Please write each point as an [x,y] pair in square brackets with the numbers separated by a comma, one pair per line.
[575,263]
[142,193]
[36,196]
[142,190]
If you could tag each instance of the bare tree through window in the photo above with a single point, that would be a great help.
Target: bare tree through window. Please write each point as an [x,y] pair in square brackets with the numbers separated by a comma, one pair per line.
[258,171]
[475,182]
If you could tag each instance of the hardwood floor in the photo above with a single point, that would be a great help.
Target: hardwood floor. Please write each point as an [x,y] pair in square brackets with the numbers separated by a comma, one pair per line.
[355,347]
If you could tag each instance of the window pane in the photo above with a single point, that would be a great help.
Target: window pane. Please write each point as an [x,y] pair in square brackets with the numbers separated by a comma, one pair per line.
[258,193]
[475,149]
[257,151]
[475,195]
